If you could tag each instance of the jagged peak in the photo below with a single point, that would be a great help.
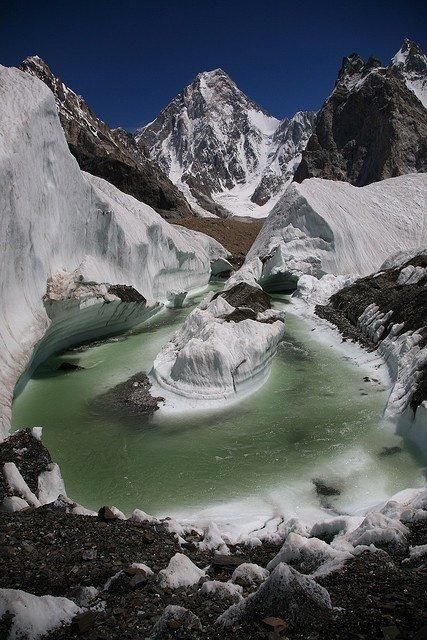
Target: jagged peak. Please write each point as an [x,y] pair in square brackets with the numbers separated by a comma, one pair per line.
[215,73]
[354,70]
[212,79]
[410,46]
[35,61]
[351,65]
[410,56]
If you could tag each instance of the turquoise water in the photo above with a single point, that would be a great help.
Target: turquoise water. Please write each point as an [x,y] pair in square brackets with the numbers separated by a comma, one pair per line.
[314,418]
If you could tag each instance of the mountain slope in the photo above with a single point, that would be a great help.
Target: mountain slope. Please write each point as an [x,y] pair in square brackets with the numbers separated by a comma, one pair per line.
[372,126]
[109,154]
[224,151]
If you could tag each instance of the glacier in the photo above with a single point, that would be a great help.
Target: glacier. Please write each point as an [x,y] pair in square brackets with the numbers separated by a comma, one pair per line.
[321,226]
[78,232]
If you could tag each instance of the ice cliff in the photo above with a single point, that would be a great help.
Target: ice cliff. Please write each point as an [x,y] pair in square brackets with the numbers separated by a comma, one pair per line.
[224,348]
[77,231]
[321,226]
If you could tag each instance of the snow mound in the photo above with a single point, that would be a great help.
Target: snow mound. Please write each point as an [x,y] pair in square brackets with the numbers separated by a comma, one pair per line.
[141,516]
[322,226]
[56,219]
[213,540]
[415,553]
[174,614]
[217,590]
[286,594]
[378,529]
[249,574]
[318,291]
[11,504]
[180,572]
[35,616]
[17,485]
[312,555]
[50,484]
[211,358]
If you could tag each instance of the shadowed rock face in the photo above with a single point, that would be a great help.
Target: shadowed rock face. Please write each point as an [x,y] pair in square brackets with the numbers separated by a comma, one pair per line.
[111,154]
[372,126]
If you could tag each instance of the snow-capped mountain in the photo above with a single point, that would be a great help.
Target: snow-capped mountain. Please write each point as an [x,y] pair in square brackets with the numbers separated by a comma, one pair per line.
[410,64]
[374,125]
[109,153]
[225,152]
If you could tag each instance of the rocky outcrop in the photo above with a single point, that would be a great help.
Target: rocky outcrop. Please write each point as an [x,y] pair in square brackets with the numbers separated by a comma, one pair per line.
[388,311]
[372,126]
[223,150]
[111,154]
[129,398]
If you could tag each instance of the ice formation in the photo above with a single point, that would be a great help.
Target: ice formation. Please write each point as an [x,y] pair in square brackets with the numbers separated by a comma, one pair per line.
[214,358]
[78,231]
[322,226]
[35,616]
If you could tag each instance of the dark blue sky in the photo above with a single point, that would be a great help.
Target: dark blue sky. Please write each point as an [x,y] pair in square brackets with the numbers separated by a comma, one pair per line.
[129,59]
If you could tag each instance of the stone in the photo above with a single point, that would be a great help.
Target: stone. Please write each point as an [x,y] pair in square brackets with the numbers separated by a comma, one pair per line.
[226,561]
[85,621]
[286,594]
[173,618]
[69,366]
[106,514]
[89,554]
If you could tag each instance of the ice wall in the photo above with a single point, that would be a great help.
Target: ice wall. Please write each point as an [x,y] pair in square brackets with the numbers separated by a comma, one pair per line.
[54,219]
[322,226]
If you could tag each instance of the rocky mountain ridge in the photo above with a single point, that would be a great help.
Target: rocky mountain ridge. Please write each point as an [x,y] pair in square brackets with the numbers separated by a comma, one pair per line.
[224,151]
[374,124]
[108,153]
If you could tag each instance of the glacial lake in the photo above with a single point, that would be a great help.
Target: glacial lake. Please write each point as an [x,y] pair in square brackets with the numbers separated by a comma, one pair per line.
[316,418]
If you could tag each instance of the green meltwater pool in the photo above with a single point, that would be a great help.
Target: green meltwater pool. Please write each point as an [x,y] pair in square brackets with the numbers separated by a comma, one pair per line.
[312,438]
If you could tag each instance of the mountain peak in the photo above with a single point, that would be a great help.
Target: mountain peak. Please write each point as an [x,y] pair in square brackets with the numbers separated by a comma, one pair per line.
[213,81]
[35,65]
[215,73]
[410,65]
[223,150]
[411,57]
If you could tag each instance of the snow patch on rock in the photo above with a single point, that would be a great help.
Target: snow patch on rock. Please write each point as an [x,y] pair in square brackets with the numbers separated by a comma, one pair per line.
[35,616]
[180,572]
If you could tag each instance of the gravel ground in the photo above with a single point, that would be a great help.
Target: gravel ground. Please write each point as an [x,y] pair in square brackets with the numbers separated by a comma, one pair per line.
[236,235]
